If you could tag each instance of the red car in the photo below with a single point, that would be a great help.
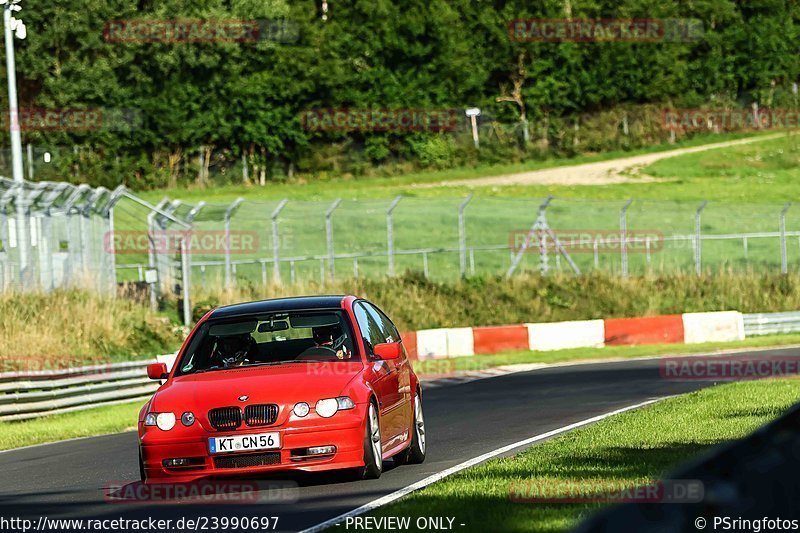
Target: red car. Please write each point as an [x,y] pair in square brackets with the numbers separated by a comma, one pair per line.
[312,384]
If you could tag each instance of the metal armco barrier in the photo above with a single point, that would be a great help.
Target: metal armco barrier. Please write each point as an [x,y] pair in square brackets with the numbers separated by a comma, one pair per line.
[753,478]
[769,323]
[26,395]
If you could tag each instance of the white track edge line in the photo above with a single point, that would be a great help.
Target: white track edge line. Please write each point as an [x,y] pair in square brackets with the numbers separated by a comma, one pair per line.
[389,498]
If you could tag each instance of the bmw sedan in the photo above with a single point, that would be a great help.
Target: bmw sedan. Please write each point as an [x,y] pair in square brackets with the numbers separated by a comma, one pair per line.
[311,384]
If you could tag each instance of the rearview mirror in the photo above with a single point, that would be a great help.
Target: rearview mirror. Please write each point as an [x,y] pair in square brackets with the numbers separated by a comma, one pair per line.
[388,350]
[157,371]
[280,325]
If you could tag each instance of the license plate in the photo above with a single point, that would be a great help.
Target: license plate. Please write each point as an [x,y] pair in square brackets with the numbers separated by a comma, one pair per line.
[245,443]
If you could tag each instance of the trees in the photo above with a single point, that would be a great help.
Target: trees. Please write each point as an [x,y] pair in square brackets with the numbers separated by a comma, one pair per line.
[166,102]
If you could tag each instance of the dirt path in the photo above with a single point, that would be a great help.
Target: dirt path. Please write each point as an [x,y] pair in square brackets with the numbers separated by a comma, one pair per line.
[599,173]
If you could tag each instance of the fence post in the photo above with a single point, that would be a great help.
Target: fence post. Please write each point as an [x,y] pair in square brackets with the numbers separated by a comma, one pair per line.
[276,266]
[186,278]
[390,233]
[784,259]
[462,236]
[329,236]
[698,245]
[539,225]
[151,252]
[111,251]
[623,236]
[228,214]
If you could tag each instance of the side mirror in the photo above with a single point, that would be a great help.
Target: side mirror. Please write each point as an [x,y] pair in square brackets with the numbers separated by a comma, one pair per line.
[388,350]
[157,371]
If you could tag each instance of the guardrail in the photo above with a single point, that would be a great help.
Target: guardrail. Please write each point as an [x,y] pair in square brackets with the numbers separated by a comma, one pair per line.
[26,395]
[770,323]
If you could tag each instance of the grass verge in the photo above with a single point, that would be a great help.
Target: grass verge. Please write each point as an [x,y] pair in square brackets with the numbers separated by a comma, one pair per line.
[97,421]
[628,449]
[73,327]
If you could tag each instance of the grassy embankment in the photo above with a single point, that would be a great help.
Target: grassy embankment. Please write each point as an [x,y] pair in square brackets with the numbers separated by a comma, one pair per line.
[72,327]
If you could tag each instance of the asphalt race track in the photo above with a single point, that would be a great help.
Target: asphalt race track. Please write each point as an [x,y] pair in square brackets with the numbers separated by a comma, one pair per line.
[70,479]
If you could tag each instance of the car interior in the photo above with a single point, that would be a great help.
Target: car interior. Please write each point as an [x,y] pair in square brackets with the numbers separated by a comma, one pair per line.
[270,339]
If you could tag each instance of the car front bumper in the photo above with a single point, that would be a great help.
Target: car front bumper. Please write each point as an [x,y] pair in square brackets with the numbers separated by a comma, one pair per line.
[345,431]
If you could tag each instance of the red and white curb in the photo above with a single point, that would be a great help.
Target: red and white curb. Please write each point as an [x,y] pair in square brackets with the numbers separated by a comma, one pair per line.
[686,328]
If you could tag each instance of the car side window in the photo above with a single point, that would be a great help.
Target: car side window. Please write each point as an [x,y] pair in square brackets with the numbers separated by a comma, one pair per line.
[389,333]
[370,328]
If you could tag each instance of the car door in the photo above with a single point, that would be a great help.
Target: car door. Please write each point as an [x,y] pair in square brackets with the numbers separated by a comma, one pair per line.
[400,414]
[381,375]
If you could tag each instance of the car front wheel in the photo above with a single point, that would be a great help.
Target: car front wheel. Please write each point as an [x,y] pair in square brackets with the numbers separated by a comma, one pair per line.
[373,461]
[415,453]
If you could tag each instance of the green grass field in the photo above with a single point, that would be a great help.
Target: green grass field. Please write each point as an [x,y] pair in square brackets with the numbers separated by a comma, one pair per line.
[746,186]
[97,421]
[626,450]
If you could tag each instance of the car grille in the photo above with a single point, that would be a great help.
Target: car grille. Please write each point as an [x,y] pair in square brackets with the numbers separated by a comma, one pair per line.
[260,415]
[247,461]
[225,418]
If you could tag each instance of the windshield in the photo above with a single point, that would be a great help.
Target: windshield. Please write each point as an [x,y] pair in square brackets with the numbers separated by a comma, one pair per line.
[272,339]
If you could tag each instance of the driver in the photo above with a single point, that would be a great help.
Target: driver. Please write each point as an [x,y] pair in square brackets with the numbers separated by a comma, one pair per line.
[233,350]
[330,337]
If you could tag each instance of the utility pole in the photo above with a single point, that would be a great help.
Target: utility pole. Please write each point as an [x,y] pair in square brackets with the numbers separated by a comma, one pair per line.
[10,24]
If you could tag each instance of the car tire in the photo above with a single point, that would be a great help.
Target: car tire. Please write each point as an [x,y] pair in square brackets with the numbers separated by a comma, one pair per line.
[415,453]
[373,461]
[142,475]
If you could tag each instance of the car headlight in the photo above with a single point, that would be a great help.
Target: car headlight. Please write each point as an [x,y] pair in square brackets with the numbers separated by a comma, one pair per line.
[301,409]
[164,421]
[187,418]
[327,408]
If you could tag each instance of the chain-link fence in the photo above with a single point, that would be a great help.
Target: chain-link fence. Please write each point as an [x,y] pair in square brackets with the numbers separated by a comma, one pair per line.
[52,235]
[288,241]
[56,234]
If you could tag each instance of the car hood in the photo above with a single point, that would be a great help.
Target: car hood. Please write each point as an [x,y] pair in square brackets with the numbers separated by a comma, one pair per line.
[283,385]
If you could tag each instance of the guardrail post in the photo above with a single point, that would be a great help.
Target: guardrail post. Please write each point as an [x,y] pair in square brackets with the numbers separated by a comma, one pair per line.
[698,244]
[784,258]
[276,266]
[228,214]
[390,234]
[329,236]
[623,236]
[462,236]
